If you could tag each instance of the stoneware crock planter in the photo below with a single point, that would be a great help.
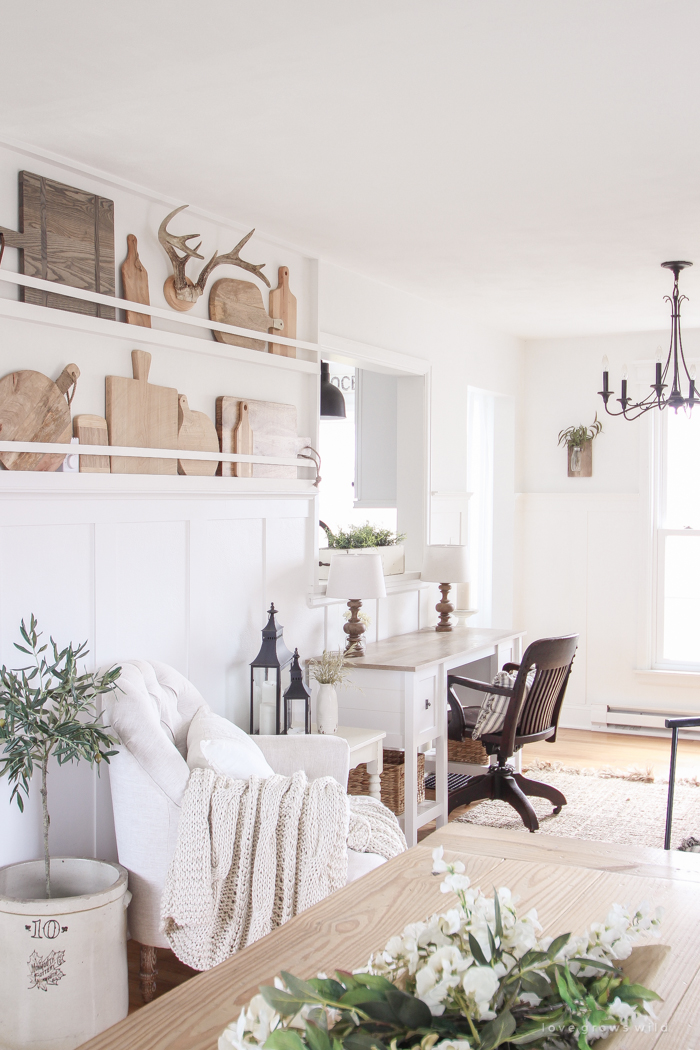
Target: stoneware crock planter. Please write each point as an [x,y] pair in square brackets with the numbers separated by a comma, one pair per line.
[393,558]
[327,709]
[63,970]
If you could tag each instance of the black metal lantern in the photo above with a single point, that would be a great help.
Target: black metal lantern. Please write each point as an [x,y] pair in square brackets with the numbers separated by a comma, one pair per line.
[297,701]
[268,675]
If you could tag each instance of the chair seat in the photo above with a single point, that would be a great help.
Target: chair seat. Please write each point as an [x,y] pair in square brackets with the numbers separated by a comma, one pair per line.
[471,715]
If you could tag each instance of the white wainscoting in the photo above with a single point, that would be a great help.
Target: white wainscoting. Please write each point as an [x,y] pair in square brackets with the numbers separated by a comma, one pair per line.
[182,580]
[185,579]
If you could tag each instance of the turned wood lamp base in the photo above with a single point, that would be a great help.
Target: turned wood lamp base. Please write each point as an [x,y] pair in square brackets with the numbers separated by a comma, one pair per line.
[444,607]
[355,629]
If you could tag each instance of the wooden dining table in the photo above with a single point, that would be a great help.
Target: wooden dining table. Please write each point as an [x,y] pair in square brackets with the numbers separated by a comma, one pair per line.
[571,883]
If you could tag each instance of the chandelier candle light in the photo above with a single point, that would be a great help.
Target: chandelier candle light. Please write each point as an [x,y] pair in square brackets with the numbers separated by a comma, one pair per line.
[445,564]
[672,370]
[355,573]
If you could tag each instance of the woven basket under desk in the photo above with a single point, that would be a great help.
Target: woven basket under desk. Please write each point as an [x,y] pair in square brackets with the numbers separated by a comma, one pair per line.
[392,780]
[471,751]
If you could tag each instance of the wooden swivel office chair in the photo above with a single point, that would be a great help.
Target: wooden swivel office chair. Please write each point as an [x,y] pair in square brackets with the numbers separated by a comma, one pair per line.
[529,718]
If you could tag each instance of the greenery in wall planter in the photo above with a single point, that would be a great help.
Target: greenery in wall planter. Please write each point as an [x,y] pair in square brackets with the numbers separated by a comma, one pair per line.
[579,442]
[357,537]
[362,536]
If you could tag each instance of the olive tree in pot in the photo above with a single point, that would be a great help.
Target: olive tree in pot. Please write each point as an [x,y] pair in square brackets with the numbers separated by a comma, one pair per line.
[63,973]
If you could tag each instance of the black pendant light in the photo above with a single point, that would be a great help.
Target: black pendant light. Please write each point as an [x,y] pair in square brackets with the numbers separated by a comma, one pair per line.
[674,373]
[332,400]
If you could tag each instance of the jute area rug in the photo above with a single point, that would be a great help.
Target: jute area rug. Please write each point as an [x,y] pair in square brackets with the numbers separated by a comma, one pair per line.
[605,805]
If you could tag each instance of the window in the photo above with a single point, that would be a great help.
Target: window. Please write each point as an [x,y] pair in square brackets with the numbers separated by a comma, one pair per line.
[480,482]
[678,544]
[340,442]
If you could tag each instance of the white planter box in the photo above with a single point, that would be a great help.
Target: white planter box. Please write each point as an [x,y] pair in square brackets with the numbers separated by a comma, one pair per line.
[393,559]
[63,974]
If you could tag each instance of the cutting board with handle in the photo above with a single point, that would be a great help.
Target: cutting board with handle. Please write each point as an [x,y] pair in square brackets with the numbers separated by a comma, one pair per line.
[34,408]
[92,430]
[196,433]
[243,441]
[135,283]
[141,414]
[240,303]
[284,305]
[274,433]
[66,235]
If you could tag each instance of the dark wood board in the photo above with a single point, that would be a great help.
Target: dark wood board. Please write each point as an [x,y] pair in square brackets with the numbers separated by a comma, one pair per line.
[66,235]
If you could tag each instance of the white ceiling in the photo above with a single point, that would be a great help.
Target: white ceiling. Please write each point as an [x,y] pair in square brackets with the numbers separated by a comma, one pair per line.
[528,161]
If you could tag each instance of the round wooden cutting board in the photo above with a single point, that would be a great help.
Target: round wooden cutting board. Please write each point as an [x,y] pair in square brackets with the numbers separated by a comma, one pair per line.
[34,408]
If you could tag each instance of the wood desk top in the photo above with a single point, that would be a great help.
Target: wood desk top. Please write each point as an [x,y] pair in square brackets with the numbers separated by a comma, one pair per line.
[572,884]
[410,652]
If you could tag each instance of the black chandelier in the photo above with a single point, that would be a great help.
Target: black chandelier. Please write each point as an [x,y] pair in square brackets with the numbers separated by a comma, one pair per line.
[673,369]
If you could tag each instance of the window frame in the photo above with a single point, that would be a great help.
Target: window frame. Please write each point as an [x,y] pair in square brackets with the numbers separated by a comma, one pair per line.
[661,534]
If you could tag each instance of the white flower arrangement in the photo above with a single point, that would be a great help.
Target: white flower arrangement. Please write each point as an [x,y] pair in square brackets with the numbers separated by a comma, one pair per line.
[363,617]
[477,976]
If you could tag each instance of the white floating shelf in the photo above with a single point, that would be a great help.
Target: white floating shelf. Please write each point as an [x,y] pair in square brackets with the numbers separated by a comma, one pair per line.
[135,334]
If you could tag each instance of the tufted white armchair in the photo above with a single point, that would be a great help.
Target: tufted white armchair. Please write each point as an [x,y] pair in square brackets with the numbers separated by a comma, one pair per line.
[151,715]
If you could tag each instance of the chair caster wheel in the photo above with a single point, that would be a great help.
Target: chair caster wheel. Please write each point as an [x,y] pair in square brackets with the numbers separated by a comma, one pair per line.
[557,810]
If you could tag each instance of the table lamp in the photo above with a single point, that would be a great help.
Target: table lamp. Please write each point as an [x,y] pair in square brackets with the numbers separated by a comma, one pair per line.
[355,573]
[442,562]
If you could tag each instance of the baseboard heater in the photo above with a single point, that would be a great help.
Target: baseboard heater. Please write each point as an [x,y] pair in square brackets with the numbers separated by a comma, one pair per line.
[634,718]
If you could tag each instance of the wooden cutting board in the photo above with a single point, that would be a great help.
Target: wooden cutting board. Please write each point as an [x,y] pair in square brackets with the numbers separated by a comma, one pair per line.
[34,408]
[284,305]
[141,414]
[274,433]
[92,430]
[135,283]
[240,303]
[196,433]
[243,441]
[65,235]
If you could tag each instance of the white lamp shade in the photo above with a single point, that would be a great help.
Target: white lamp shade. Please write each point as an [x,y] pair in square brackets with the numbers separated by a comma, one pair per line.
[356,575]
[445,563]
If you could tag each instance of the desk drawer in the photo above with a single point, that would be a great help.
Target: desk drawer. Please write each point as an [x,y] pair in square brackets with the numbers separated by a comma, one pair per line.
[426,706]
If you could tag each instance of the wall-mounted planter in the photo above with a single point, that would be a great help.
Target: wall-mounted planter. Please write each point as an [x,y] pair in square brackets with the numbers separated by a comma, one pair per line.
[393,559]
[580,460]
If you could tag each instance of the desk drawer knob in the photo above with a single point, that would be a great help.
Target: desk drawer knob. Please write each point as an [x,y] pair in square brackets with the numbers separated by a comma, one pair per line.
[427,704]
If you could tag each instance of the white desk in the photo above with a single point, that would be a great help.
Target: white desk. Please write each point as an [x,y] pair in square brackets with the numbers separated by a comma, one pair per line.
[366,745]
[400,686]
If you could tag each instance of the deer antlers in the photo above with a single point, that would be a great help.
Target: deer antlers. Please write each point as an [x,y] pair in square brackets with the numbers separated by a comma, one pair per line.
[179,290]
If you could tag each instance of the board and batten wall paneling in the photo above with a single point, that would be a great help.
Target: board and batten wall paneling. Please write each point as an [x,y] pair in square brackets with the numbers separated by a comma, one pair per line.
[183,581]
[226,583]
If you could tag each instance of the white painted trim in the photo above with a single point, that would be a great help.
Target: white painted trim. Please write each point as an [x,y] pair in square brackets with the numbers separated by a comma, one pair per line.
[49,484]
[349,351]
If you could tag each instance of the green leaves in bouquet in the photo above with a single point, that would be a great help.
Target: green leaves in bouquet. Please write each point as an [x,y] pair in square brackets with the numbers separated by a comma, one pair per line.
[374,1014]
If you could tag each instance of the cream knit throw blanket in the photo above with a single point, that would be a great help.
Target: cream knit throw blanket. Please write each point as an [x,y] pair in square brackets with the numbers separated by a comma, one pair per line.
[251,854]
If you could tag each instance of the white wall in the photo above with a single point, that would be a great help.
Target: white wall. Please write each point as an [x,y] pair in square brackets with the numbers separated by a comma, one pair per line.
[461,354]
[583,544]
[186,578]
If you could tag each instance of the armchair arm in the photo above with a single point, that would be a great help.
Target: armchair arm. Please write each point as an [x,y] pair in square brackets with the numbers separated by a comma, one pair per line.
[484,687]
[511,667]
[317,755]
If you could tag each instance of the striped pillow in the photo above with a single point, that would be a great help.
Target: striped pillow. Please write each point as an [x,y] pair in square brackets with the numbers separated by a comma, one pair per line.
[494,707]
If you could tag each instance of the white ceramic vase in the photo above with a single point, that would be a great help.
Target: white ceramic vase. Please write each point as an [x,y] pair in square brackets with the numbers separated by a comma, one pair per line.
[327,709]
[63,970]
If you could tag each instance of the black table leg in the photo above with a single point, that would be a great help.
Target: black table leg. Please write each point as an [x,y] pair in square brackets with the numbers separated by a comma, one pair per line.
[671,785]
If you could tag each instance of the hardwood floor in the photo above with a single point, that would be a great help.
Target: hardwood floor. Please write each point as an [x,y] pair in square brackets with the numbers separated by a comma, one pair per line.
[573,747]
